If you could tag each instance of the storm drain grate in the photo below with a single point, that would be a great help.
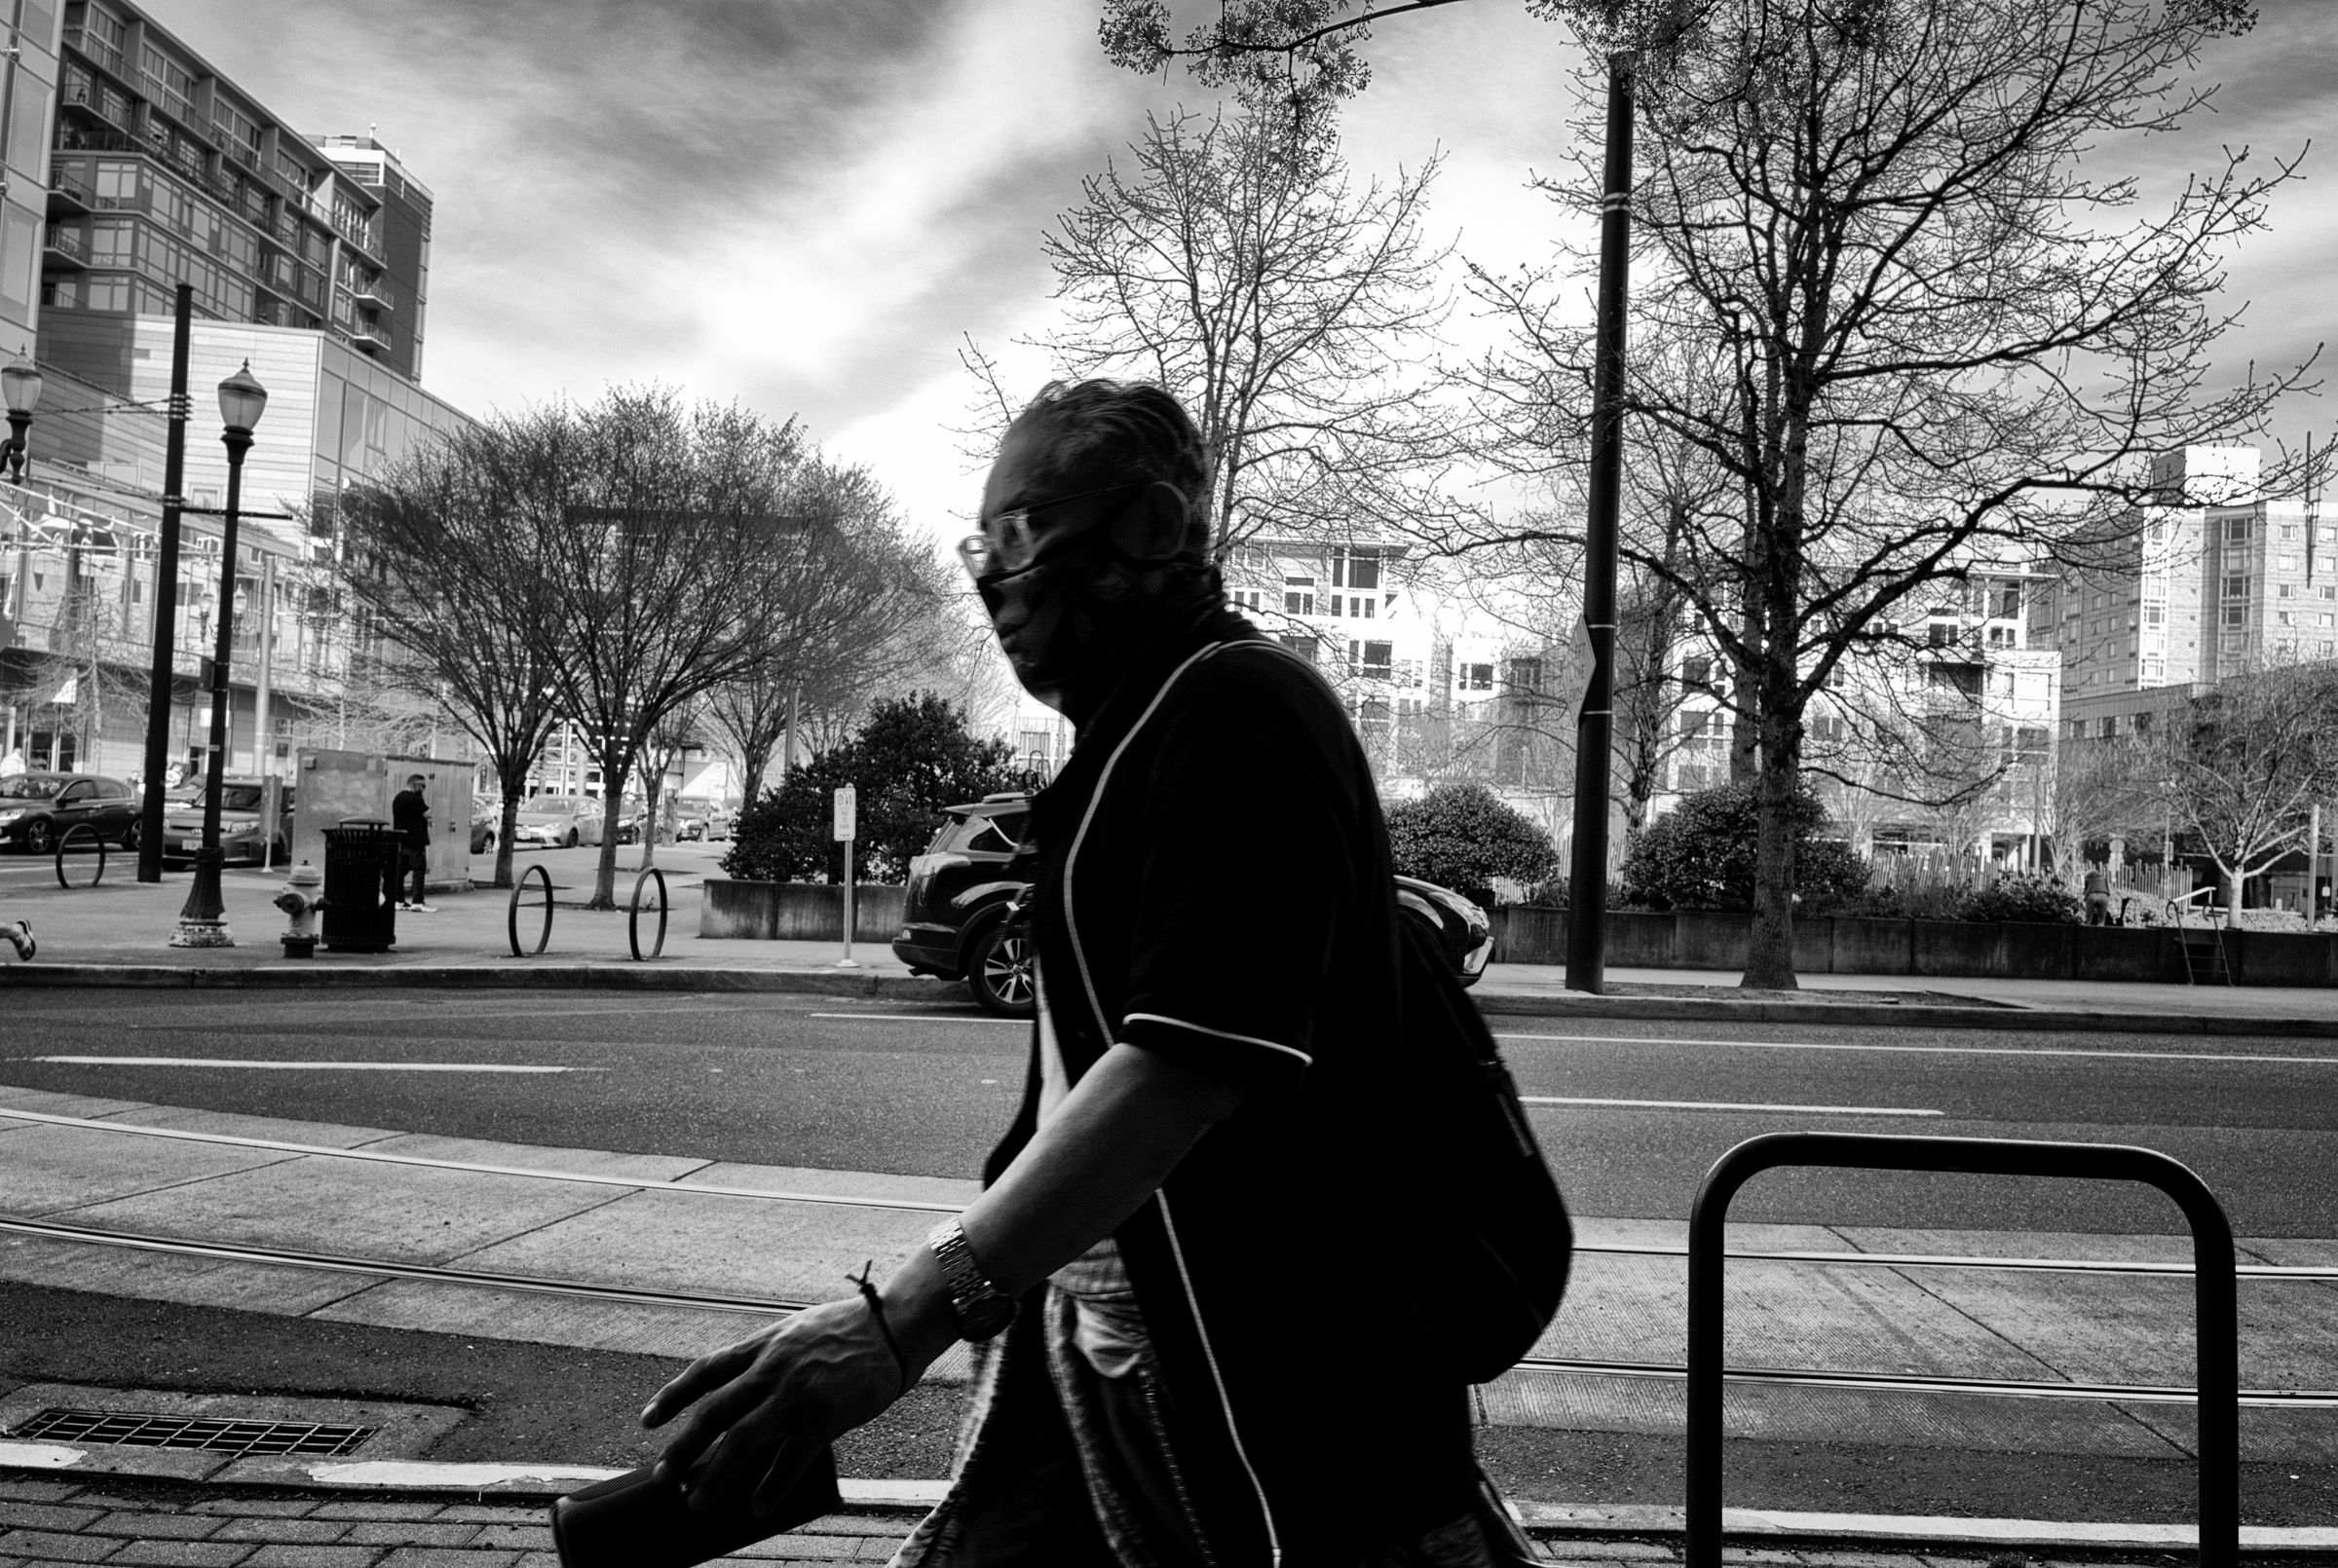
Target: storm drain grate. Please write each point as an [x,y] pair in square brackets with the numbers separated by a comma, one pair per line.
[136,1430]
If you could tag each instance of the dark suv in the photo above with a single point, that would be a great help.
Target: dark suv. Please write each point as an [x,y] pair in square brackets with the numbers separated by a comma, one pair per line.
[964,918]
[955,922]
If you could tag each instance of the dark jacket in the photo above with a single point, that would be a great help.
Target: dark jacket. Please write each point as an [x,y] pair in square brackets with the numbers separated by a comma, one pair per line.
[410,814]
[1215,884]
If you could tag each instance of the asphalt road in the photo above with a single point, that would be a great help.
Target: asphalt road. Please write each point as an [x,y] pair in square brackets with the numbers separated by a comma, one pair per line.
[863,1086]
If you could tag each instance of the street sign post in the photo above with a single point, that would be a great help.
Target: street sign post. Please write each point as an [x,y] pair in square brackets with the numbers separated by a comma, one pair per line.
[848,811]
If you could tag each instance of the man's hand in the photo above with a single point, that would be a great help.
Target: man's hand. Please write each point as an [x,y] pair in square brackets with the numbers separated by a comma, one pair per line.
[766,1404]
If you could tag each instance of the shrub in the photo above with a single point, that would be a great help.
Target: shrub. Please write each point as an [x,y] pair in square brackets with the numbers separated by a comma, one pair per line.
[910,758]
[2039,900]
[1461,836]
[1700,856]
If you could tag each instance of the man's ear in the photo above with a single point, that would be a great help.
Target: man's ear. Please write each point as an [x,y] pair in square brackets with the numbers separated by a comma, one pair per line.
[1153,527]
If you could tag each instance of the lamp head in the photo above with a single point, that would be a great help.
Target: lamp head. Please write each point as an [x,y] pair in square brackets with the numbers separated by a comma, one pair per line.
[20,386]
[241,399]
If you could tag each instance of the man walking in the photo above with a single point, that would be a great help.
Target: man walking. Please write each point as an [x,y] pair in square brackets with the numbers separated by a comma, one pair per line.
[1181,1275]
[410,816]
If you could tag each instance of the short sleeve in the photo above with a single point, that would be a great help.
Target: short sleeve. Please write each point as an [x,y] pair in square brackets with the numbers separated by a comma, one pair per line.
[1245,875]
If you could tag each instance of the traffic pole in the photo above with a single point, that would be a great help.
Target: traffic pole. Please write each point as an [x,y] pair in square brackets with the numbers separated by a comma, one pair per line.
[165,599]
[1586,872]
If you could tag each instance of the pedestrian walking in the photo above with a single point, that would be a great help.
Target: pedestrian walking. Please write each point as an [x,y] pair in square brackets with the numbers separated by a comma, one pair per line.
[2099,898]
[410,816]
[1190,1277]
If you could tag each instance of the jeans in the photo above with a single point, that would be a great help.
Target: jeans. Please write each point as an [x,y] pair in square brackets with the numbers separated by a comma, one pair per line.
[414,863]
[1094,1481]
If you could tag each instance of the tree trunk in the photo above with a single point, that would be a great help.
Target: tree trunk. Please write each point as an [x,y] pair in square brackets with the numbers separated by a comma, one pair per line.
[648,817]
[505,829]
[1770,943]
[604,879]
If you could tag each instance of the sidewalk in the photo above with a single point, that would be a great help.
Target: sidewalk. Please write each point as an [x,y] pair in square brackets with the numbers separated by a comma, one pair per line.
[399,1509]
[118,933]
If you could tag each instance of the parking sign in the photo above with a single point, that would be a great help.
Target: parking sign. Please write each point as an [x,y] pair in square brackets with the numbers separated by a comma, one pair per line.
[847,804]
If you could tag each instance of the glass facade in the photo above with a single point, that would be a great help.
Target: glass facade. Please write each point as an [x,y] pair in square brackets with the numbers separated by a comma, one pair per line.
[165,172]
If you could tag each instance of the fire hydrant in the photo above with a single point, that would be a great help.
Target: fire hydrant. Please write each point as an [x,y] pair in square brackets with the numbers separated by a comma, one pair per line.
[303,896]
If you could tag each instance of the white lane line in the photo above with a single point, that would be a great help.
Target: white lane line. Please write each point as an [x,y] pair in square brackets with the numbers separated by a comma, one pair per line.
[1723,1104]
[1928,1050]
[928,1017]
[302,1066]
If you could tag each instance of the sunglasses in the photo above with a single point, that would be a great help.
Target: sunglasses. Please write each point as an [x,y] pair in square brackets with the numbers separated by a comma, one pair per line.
[1007,547]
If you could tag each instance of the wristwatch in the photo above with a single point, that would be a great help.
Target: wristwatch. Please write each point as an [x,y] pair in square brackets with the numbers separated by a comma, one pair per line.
[981,1308]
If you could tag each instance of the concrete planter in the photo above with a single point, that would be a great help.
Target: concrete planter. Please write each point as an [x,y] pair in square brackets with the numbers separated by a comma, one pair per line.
[1705,939]
[799,912]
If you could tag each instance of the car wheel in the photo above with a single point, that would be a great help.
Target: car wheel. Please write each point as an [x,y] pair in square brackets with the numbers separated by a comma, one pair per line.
[130,837]
[998,971]
[572,837]
[40,836]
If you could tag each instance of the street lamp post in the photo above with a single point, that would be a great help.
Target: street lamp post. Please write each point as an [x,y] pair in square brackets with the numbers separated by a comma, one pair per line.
[202,922]
[165,599]
[21,389]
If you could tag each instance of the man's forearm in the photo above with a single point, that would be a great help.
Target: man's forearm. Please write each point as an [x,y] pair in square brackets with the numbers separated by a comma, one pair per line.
[1111,1144]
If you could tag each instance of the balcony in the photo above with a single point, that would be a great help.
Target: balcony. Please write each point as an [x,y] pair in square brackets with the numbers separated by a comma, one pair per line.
[94,100]
[65,242]
[75,139]
[97,49]
[374,331]
[67,196]
[374,295]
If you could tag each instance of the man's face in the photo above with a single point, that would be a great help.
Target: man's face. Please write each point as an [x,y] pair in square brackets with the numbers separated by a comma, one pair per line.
[1049,629]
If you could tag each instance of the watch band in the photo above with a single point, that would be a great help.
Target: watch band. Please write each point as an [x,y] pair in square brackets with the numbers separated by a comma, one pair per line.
[981,1308]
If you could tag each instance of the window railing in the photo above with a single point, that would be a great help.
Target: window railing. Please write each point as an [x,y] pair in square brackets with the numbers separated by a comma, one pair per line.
[67,241]
[101,50]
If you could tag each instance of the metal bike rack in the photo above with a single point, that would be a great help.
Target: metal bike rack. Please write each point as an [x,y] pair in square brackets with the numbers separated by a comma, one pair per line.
[633,919]
[2216,1312]
[66,842]
[544,937]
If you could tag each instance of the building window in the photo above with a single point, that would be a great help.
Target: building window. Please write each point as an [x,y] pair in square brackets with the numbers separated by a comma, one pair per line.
[1302,643]
[2288,531]
[1696,674]
[1356,569]
[1374,661]
[1939,633]
[1250,598]
[1474,678]
[2289,562]
[1298,596]
[2236,530]
[2154,615]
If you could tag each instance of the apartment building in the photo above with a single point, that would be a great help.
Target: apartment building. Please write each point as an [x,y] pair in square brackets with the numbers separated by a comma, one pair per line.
[27,92]
[165,171]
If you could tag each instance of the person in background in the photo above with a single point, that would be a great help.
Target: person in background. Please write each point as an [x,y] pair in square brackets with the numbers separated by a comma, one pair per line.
[410,816]
[2099,898]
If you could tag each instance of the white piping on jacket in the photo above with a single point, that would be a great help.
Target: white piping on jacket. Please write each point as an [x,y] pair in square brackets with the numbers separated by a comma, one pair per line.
[1274,1543]
[1222,1034]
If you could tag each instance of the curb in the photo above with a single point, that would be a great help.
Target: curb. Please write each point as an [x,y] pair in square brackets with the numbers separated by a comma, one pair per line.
[1766,1009]
[525,1482]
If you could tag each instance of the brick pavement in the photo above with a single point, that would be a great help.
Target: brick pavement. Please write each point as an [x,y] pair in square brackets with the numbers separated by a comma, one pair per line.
[43,1522]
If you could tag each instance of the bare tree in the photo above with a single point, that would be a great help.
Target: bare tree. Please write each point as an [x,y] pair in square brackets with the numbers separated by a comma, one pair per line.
[444,560]
[847,599]
[2239,765]
[1940,344]
[1237,264]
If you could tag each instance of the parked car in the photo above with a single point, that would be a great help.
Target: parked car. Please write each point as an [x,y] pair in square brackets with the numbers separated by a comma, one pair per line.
[241,803]
[963,910]
[693,818]
[558,822]
[38,809]
[483,819]
[721,824]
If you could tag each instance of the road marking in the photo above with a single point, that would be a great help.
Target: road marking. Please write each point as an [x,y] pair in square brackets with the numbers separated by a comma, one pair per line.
[928,1017]
[1723,1104]
[302,1066]
[1928,1050]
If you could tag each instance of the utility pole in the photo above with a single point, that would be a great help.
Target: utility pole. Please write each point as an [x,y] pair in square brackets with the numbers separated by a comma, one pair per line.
[1595,724]
[165,601]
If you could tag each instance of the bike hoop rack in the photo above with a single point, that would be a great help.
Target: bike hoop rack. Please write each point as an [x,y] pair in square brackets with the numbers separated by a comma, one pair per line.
[544,937]
[66,842]
[2216,1328]
[633,919]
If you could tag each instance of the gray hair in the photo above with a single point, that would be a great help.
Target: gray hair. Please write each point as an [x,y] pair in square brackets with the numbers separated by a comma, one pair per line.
[1097,433]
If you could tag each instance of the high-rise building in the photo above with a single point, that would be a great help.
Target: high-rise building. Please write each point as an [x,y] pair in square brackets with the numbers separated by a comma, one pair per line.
[165,171]
[27,88]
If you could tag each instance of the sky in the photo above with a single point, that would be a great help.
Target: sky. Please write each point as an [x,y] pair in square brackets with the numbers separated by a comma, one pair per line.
[807,205]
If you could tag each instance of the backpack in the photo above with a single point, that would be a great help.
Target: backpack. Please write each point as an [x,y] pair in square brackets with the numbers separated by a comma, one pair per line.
[1492,1238]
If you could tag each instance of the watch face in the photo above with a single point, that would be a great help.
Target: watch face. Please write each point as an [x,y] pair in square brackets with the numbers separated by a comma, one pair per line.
[981,1318]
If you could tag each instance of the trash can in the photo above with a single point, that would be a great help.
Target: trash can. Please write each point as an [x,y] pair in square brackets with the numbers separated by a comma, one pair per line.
[361,864]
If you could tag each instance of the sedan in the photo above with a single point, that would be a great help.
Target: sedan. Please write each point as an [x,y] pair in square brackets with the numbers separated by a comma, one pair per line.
[241,804]
[558,822]
[38,809]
